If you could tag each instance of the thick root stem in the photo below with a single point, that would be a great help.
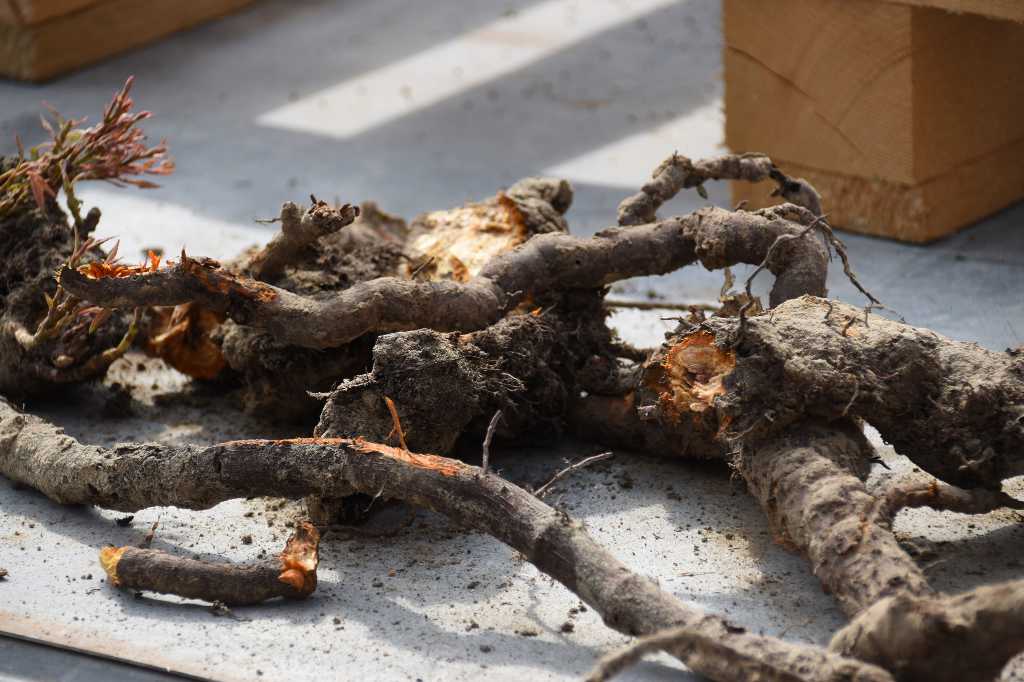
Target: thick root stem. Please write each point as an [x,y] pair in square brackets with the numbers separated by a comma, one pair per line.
[546,263]
[940,638]
[809,481]
[955,409]
[130,477]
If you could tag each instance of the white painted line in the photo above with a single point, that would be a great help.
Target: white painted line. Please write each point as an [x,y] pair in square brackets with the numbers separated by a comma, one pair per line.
[628,162]
[426,78]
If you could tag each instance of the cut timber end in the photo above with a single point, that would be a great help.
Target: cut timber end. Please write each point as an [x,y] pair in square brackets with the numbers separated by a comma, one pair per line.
[109,556]
[903,136]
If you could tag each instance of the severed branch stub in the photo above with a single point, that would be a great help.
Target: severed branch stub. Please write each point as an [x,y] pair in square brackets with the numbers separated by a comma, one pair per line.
[291,576]
[485,462]
[299,230]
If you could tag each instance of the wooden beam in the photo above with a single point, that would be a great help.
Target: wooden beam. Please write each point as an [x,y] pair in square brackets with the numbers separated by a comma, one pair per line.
[1012,10]
[96,30]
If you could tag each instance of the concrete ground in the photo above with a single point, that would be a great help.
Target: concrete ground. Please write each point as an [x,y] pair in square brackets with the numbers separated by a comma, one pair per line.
[420,110]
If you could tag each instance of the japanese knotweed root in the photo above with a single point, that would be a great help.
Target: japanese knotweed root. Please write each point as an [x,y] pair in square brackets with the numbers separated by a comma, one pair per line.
[290,575]
[135,476]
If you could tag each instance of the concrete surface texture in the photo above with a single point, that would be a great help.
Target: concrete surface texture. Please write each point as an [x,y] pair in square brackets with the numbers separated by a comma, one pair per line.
[421,106]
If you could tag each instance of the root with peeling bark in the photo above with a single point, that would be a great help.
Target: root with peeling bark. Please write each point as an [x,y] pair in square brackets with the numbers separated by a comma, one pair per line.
[493,307]
[131,477]
[547,262]
[955,409]
[291,576]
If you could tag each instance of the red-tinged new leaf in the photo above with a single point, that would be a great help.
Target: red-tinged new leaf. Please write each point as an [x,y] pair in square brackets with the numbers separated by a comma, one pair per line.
[112,256]
[39,189]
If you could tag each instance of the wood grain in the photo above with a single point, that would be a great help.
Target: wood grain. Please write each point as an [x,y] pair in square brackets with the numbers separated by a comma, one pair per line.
[995,9]
[40,51]
[908,212]
[906,118]
[29,12]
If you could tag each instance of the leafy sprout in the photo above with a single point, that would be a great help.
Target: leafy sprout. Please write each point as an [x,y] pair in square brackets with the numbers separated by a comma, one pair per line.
[114,150]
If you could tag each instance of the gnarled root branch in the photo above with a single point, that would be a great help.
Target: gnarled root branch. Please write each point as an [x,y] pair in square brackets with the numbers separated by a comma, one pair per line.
[955,409]
[809,480]
[299,230]
[678,172]
[130,477]
[941,638]
[546,263]
[291,576]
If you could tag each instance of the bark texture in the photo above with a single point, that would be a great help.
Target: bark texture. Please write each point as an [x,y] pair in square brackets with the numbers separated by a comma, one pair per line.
[810,483]
[547,262]
[299,231]
[955,409]
[131,477]
[292,575]
[940,638]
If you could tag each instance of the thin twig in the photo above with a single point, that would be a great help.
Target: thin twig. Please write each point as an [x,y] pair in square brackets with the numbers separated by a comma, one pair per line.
[374,498]
[856,392]
[485,465]
[540,492]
